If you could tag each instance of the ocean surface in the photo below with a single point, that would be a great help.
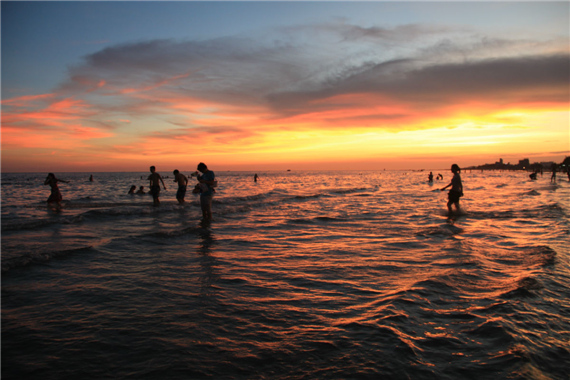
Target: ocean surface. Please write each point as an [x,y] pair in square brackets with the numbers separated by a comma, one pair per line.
[302,275]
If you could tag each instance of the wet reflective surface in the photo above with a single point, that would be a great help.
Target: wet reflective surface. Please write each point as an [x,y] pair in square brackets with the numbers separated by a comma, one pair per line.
[301,275]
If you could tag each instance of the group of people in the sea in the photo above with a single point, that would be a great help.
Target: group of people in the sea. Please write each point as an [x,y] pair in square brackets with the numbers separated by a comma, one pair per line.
[205,187]
[430,177]
[207,183]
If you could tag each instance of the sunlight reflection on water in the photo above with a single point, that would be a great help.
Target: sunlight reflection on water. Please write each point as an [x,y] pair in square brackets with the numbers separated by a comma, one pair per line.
[353,275]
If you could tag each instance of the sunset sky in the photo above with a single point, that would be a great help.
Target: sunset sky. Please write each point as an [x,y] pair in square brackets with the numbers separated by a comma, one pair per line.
[120,86]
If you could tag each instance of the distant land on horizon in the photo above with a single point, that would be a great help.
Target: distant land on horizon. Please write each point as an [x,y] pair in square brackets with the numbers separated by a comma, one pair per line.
[523,164]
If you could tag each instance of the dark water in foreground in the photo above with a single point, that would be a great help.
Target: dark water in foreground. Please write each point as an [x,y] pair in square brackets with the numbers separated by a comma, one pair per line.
[316,275]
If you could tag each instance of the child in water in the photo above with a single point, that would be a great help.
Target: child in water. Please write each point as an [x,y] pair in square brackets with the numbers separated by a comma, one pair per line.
[55,196]
[182,185]
[456,188]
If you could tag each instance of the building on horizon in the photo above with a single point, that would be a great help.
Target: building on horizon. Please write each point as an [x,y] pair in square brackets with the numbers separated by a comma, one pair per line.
[524,163]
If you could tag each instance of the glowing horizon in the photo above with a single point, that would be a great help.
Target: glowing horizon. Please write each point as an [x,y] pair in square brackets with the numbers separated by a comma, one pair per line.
[316,91]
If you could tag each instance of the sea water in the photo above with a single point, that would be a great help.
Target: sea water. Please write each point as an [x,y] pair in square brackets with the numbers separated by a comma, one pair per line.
[301,275]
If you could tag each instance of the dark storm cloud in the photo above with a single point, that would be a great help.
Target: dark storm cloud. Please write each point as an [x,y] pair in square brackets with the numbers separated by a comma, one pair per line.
[508,79]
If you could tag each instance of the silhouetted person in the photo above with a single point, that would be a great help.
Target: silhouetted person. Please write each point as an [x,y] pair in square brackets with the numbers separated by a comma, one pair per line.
[554,168]
[132,189]
[208,178]
[430,177]
[91,178]
[456,188]
[154,179]
[255,177]
[141,190]
[182,185]
[55,196]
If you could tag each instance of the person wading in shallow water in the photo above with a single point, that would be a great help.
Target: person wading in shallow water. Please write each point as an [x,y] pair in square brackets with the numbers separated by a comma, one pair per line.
[208,178]
[154,179]
[182,185]
[456,189]
[55,196]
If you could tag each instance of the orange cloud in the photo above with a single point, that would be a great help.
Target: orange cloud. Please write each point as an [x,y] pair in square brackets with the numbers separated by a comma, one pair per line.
[54,113]
[129,103]
[47,122]
[27,100]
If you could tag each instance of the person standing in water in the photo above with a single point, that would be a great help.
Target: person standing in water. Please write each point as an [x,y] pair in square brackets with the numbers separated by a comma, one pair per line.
[456,188]
[255,177]
[208,178]
[182,185]
[55,196]
[430,177]
[154,179]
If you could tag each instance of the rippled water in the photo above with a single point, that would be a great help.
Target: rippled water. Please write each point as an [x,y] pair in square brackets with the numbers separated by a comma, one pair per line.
[303,275]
